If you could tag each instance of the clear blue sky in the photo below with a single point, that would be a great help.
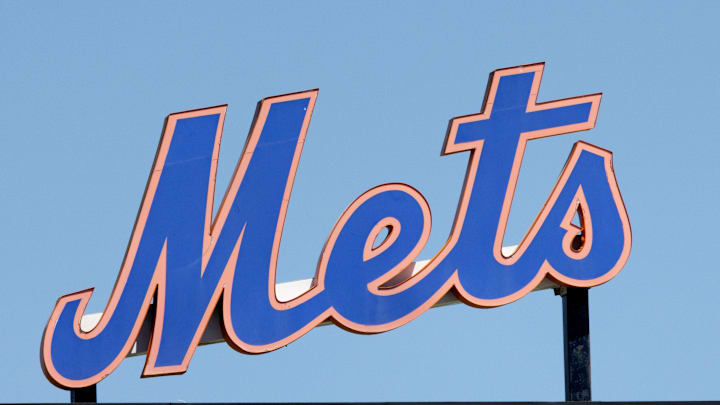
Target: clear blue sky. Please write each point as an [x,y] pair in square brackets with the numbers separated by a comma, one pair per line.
[85,88]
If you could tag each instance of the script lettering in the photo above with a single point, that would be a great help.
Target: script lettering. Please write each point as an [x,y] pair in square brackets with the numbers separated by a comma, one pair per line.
[184,264]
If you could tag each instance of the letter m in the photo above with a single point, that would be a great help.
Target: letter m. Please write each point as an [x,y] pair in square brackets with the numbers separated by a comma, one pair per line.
[178,258]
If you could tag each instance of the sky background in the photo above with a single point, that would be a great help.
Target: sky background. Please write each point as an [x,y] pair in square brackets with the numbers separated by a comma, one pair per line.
[85,87]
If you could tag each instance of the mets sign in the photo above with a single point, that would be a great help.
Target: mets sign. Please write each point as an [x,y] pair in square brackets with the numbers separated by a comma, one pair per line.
[184,263]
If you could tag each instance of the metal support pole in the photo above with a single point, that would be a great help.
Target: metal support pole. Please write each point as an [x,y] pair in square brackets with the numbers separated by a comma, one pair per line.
[576,336]
[86,394]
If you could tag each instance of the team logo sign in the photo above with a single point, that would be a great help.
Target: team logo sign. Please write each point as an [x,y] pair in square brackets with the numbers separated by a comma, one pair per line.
[189,263]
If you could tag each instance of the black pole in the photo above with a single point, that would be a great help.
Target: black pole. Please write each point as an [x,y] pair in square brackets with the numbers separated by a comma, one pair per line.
[576,336]
[85,394]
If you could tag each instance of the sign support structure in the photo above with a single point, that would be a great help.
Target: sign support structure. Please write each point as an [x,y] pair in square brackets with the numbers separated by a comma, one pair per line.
[84,395]
[576,343]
